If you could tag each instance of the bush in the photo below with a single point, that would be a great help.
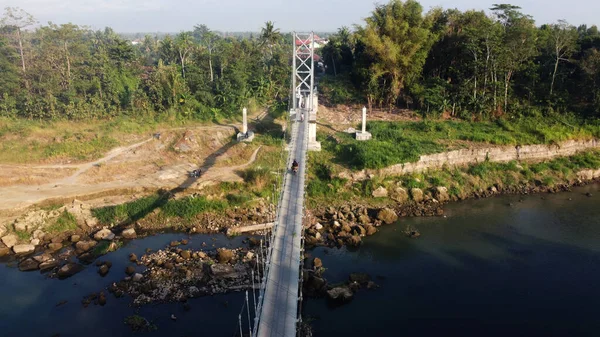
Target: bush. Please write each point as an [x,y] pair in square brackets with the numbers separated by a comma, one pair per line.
[65,222]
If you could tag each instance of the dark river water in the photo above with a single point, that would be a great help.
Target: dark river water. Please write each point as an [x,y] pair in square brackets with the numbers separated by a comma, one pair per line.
[488,268]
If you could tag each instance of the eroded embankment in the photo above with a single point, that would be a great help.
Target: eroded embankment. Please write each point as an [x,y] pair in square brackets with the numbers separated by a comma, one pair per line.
[465,157]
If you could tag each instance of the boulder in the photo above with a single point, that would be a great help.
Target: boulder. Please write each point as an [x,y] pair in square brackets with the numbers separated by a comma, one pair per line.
[84,246]
[174,243]
[186,254]
[75,238]
[354,241]
[10,240]
[103,270]
[340,294]
[38,234]
[130,270]
[416,194]
[101,299]
[69,270]
[47,265]
[318,226]
[361,278]
[317,263]
[223,270]
[129,233]
[137,277]
[346,228]
[43,258]
[20,226]
[370,230]
[28,265]
[387,215]
[364,219]
[35,242]
[380,192]
[132,257]
[4,251]
[224,255]
[104,234]
[441,194]
[54,246]
[399,195]
[23,249]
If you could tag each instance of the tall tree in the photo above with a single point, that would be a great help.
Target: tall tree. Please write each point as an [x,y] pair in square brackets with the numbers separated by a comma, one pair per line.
[184,46]
[563,42]
[17,19]
[518,42]
[208,40]
[397,38]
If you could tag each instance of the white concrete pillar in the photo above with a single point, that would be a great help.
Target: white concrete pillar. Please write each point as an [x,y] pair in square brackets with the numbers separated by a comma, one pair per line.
[364,119]
[245,121]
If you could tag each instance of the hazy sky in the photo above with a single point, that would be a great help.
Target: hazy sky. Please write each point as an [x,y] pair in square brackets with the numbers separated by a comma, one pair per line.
[250,15]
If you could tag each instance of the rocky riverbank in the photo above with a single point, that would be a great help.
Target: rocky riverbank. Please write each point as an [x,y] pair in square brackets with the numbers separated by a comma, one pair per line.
[346,225]
[177,274]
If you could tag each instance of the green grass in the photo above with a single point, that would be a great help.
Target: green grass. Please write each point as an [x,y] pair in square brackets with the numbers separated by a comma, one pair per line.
[23,236]
[190,207]
[401,142]
[130,211]
[65,222]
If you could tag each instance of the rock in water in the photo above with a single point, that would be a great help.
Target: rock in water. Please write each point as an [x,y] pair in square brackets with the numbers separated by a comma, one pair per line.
[129,270]
[23,249]
[69,270]
[4,251]
[354,241]
[54,246]
[103,270]
[84,246]
[129,233]
[387,215]
[28,265]
[224,255]
[132,257]
[340,294]
[104,234]
[317,263]
[361,278]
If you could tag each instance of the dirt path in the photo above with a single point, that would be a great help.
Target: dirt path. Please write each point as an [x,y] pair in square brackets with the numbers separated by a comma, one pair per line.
[137,176]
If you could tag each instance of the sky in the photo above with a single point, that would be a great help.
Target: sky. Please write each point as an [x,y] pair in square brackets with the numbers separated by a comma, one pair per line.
[128,16]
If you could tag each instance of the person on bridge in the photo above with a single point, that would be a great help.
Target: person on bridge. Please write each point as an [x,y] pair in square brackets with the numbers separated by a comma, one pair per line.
[302,117]
[295,166]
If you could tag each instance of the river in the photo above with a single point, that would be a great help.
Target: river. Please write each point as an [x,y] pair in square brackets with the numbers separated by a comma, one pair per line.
[504,266]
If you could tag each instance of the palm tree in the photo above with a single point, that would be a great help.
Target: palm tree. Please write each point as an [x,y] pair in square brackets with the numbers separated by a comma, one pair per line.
[270,36]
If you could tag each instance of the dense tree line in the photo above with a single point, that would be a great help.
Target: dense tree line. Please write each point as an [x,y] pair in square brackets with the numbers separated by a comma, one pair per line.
[70,71]
[468,64]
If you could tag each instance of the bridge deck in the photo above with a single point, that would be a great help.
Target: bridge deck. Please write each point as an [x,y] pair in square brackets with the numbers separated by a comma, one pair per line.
[280,304]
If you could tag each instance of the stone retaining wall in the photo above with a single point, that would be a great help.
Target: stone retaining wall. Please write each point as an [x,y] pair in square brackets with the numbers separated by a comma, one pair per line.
[465,157]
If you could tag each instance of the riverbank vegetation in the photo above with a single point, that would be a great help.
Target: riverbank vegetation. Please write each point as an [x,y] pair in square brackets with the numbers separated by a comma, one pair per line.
[325,186]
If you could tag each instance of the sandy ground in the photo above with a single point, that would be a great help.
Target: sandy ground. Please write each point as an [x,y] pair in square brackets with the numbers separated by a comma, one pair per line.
[148,165]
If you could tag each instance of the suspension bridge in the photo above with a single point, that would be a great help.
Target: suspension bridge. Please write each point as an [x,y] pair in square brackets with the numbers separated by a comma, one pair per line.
[277,310]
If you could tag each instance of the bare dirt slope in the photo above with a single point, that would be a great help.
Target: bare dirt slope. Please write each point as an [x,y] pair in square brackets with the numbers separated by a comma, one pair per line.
[147,165]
